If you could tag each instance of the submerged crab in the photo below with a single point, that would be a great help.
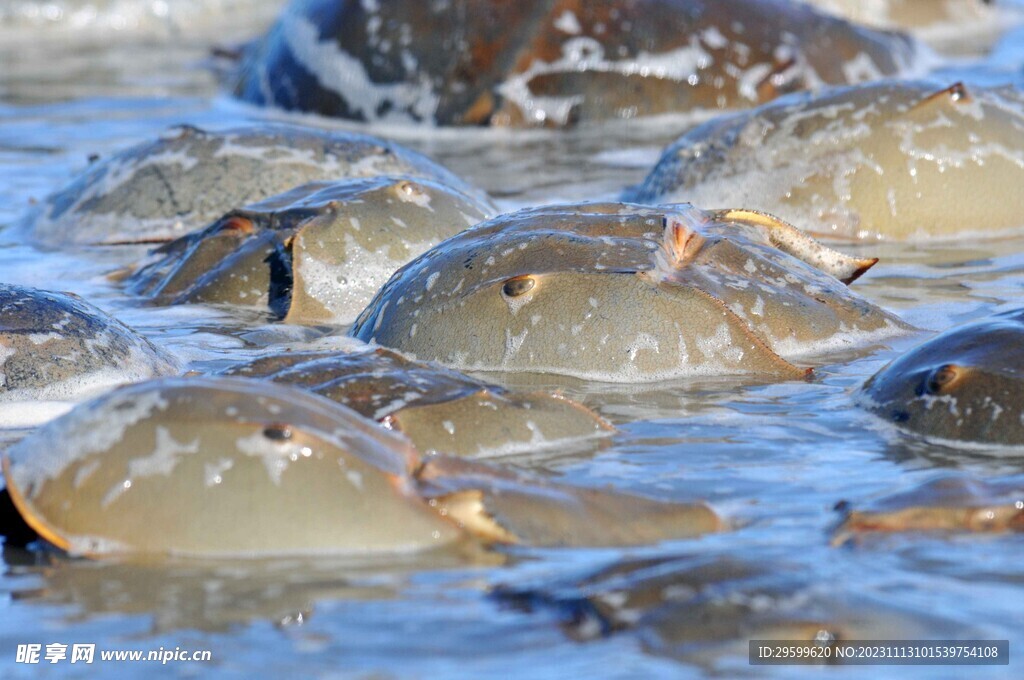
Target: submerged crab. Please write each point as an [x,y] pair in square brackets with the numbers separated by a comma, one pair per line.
[702,607]
[229,466]
[316,253]
[553,62]
[885,160]
[440,410]
[159,190]
[620,292]
[950,503]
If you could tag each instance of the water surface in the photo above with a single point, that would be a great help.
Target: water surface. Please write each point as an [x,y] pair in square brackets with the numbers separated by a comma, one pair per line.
[773,457]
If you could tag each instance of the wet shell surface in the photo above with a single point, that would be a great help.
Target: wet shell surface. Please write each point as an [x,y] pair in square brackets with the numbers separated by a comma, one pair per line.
[502,506]
[620,293]
[159,190]
[941,23]
[219,467]
[440,410]
[231,467]
[554,62]
[966,384]
[872,161]
[316,253]
[700,607]
[57,346]
[951,503]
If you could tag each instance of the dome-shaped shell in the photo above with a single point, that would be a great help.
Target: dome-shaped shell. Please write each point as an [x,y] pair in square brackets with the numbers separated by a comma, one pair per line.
[943,24]
[622,293]
[220,467]
[316,253]
[58,346]
[885,160]
[945,503]
[162,189]
[232,467]
[440,410]
[553,62]
[966,384]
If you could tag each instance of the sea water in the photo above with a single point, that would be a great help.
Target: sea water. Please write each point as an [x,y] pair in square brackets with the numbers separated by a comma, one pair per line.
[773,458]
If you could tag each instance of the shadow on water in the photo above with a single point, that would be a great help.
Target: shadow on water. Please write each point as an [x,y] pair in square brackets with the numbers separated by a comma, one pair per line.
[219,595]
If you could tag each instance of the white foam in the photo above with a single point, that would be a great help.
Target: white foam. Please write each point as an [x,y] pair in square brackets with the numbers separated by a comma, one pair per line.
[844,340]
[275,456]
[85,386]
[568,23]
[538,442]
[626,372]
[16,414]
[583,53]
[517,302]
[79,545]
[861,68]
[346,288]
[513,343]
[214,472]
[642,341]
[164,457]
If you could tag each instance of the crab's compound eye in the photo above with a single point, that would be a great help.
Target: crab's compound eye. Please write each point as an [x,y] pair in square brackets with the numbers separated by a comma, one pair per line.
[408,190]
[277,432]
[941,378]
[236,224]
[411,192]
[520,285]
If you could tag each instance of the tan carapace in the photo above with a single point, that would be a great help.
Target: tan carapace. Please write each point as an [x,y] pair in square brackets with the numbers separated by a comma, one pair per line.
[232,467]
[314,254]
[623,293]
[889,160]
[950,503]
[438,409]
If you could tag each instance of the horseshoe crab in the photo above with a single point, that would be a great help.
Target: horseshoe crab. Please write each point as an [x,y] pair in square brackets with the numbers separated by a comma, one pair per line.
[236,467]
[949,503]
[501,506]
[58,346]
[873,161]
[553,62]
[219,467]
[440,410]
[935,21]
[966,384]
[316,253]
[621,293]
[705,607]
[159,190]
